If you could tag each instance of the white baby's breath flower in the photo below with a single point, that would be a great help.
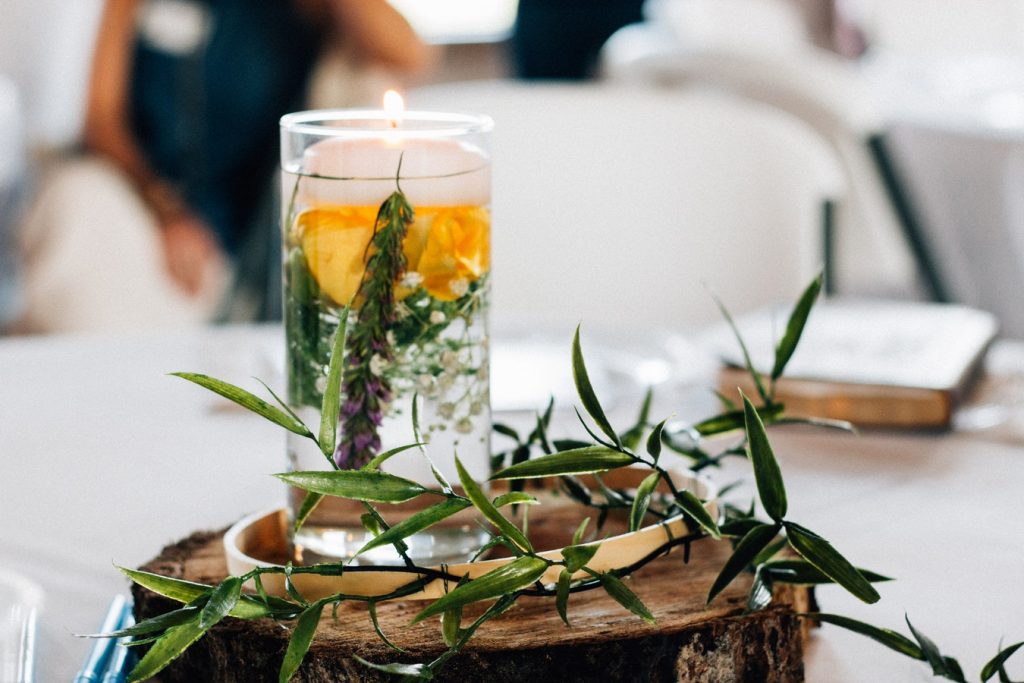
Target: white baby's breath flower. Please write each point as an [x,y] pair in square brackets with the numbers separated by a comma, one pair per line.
[411,279]
[464,426]
[402,311]
[459,286]
[476,407]
[437,317]
[446,410]
[377,365]
[390,336]
[321,384]
[425,382]
[449,359]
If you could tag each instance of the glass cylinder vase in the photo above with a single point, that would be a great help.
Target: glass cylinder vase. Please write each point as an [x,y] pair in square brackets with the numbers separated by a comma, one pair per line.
[388,214]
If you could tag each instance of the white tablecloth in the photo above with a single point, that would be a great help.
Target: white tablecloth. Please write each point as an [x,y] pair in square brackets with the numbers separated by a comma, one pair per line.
[105,460]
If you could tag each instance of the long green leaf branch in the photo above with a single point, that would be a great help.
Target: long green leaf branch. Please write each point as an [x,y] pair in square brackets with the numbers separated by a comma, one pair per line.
[758,544]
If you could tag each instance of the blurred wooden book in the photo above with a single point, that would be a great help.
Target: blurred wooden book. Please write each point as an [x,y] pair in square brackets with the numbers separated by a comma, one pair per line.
[886,364]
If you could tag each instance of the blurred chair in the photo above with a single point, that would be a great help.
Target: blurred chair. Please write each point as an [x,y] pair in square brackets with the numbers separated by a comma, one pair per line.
[926,28]
[975,214]
[615,205]
[691,43]
[742,26]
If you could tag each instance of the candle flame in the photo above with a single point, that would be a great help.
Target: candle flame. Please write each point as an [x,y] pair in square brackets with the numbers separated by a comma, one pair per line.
[394,107]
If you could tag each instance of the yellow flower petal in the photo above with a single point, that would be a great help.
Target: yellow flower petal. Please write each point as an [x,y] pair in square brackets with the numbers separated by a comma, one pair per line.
[448,246]
[458,248]
[334,240]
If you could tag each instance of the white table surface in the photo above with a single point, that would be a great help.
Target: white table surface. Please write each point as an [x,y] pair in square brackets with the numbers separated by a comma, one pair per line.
[106,460]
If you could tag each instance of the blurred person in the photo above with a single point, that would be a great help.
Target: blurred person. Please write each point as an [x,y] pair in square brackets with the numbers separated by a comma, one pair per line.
[12,162]
[174,191]
[561,39]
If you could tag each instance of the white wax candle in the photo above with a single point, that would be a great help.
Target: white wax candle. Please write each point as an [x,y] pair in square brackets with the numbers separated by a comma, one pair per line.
[434,171]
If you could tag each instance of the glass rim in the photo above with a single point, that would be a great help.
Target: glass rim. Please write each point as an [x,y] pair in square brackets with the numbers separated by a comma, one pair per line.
[330,123]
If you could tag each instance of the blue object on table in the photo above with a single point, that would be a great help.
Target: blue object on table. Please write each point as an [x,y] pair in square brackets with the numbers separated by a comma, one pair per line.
[121,660]
[94,664]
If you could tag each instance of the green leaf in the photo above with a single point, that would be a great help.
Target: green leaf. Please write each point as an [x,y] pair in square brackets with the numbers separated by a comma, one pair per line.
[515,498]
[377,521]
[631,438]
[795,327]
[693,507]
[569,444]
[614,587]
[562,595]
[161,622]
[187,591]
[746,550]
[654,440]
[586,391]
[505,430]
[804,573]
[504,580]
[760,595]
[738,527]
[953,670]
[418,671]
[771,551]
[891,639]
[733,420]
[577,556]
[332,390]
[222,600]
[590,432]
[378,487]
[417,523]
[248,401]
[487,509]
[372,608]
[642,500]
[576,490]
[580,530]
[727,403]
[309,504]
[822,555]
[770,487]
[166,649]
[993,665]
[379,460]
[754,374]
[370,523]
[298,644]
[540,432]
[578,461]
[931,652]
[451,621]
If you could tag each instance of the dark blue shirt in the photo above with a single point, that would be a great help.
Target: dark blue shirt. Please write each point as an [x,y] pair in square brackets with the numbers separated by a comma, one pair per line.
[206,115]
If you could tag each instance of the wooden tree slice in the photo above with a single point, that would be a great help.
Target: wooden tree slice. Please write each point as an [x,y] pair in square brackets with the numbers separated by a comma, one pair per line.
[529,643]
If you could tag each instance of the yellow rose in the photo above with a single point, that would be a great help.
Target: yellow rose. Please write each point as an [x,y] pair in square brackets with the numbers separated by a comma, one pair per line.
[449,247]
[334,240]
[457,250]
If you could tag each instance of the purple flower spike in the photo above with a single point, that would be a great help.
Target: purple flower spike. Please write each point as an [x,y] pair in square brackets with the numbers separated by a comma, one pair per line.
[365,441]
[343,455]
[351,407]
